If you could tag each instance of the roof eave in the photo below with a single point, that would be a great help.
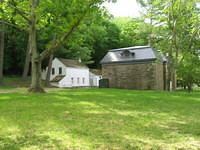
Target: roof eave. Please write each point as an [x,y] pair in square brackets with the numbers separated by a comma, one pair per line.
[128,48]
[131,61]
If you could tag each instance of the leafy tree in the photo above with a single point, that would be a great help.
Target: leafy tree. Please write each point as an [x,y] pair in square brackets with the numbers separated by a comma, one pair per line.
[175,30]
[63,17]
[2,35]
[189,70]
[133,31]
[106,37]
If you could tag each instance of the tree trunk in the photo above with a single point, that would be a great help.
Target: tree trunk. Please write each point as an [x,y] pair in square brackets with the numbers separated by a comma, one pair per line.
[174,81]
[2,35]
[47,82]
[189,87]
[169,70]
[27,61]
[150,29]
[37,58]
[175,62]
[36,86]
[172,65]
[165,76]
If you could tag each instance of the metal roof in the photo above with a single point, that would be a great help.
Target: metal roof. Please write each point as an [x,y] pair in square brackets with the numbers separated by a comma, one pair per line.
[133,55]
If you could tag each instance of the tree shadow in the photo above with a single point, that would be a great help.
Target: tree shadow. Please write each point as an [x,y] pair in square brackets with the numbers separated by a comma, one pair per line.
[31,141]
[105,119]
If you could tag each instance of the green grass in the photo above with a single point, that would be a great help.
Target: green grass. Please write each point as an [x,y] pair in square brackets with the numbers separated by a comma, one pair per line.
[100,119]
[12,82]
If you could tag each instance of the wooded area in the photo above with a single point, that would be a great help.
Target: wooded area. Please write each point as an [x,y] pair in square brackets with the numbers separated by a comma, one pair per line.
[32,31]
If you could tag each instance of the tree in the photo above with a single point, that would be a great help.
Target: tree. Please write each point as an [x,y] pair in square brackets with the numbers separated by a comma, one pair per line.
[174,30]
[189,70]
[106,37]
[133,31]
[27,61]
[47,82]
[74,11]
[1,51]
[2,35]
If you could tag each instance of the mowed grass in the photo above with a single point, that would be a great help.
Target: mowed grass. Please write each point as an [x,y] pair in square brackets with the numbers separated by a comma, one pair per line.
[100,119]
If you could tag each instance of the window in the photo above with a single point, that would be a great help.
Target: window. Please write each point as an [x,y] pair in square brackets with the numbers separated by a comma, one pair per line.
[72,80]
[127,53]
[83,80]
[78,80]
[60,70]
[53,71]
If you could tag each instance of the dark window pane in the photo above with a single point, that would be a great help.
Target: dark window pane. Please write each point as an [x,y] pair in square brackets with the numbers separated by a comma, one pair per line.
[60,70]
[53,71]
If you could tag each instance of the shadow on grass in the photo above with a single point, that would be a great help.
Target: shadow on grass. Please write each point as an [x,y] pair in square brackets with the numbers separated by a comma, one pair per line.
[101,119]
[28,142]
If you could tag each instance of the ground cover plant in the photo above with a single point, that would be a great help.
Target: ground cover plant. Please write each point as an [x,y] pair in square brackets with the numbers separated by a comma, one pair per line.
[100,119]
[12,82]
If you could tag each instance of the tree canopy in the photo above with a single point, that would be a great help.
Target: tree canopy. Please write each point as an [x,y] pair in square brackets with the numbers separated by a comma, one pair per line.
[83,29]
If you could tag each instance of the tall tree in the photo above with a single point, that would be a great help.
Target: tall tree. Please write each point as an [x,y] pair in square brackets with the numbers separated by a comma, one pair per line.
[27,61]
[2,35]
[75,11]
[133,31]
[35,56]
[189,70]
[172,20]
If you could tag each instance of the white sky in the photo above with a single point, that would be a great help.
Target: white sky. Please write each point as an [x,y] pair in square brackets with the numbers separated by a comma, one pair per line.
[124,8]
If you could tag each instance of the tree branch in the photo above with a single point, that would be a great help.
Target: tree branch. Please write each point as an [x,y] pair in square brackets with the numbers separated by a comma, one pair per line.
[19,11]
[14,26]
[192,37]
[54,48]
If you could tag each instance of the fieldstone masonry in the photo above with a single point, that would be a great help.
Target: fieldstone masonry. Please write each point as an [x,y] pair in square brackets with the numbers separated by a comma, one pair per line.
[138,67]
[138,76]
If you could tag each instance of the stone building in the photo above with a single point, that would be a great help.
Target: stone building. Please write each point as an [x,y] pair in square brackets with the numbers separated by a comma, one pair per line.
[139,68]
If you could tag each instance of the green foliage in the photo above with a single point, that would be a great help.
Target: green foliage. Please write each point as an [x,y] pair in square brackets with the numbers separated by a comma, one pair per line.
[175,30]
[95,36]
[133,32]
[15,49]
[173,27]
[189,70]
[53,19]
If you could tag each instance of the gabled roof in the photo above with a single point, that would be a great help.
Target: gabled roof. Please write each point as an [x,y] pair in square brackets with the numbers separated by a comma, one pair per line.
[133,55]
[72,63]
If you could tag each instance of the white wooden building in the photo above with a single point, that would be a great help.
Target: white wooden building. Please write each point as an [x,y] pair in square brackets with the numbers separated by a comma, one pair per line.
[70,73]
[95,76]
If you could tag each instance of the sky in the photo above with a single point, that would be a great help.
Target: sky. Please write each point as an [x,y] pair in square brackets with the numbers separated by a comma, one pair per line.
[124,8]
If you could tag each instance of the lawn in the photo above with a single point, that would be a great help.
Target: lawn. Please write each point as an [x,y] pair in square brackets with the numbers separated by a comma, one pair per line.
[16,84]
[100,119]
[12,82]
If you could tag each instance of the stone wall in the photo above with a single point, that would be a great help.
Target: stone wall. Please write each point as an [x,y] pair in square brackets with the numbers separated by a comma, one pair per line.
[159,77]
[142,76]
